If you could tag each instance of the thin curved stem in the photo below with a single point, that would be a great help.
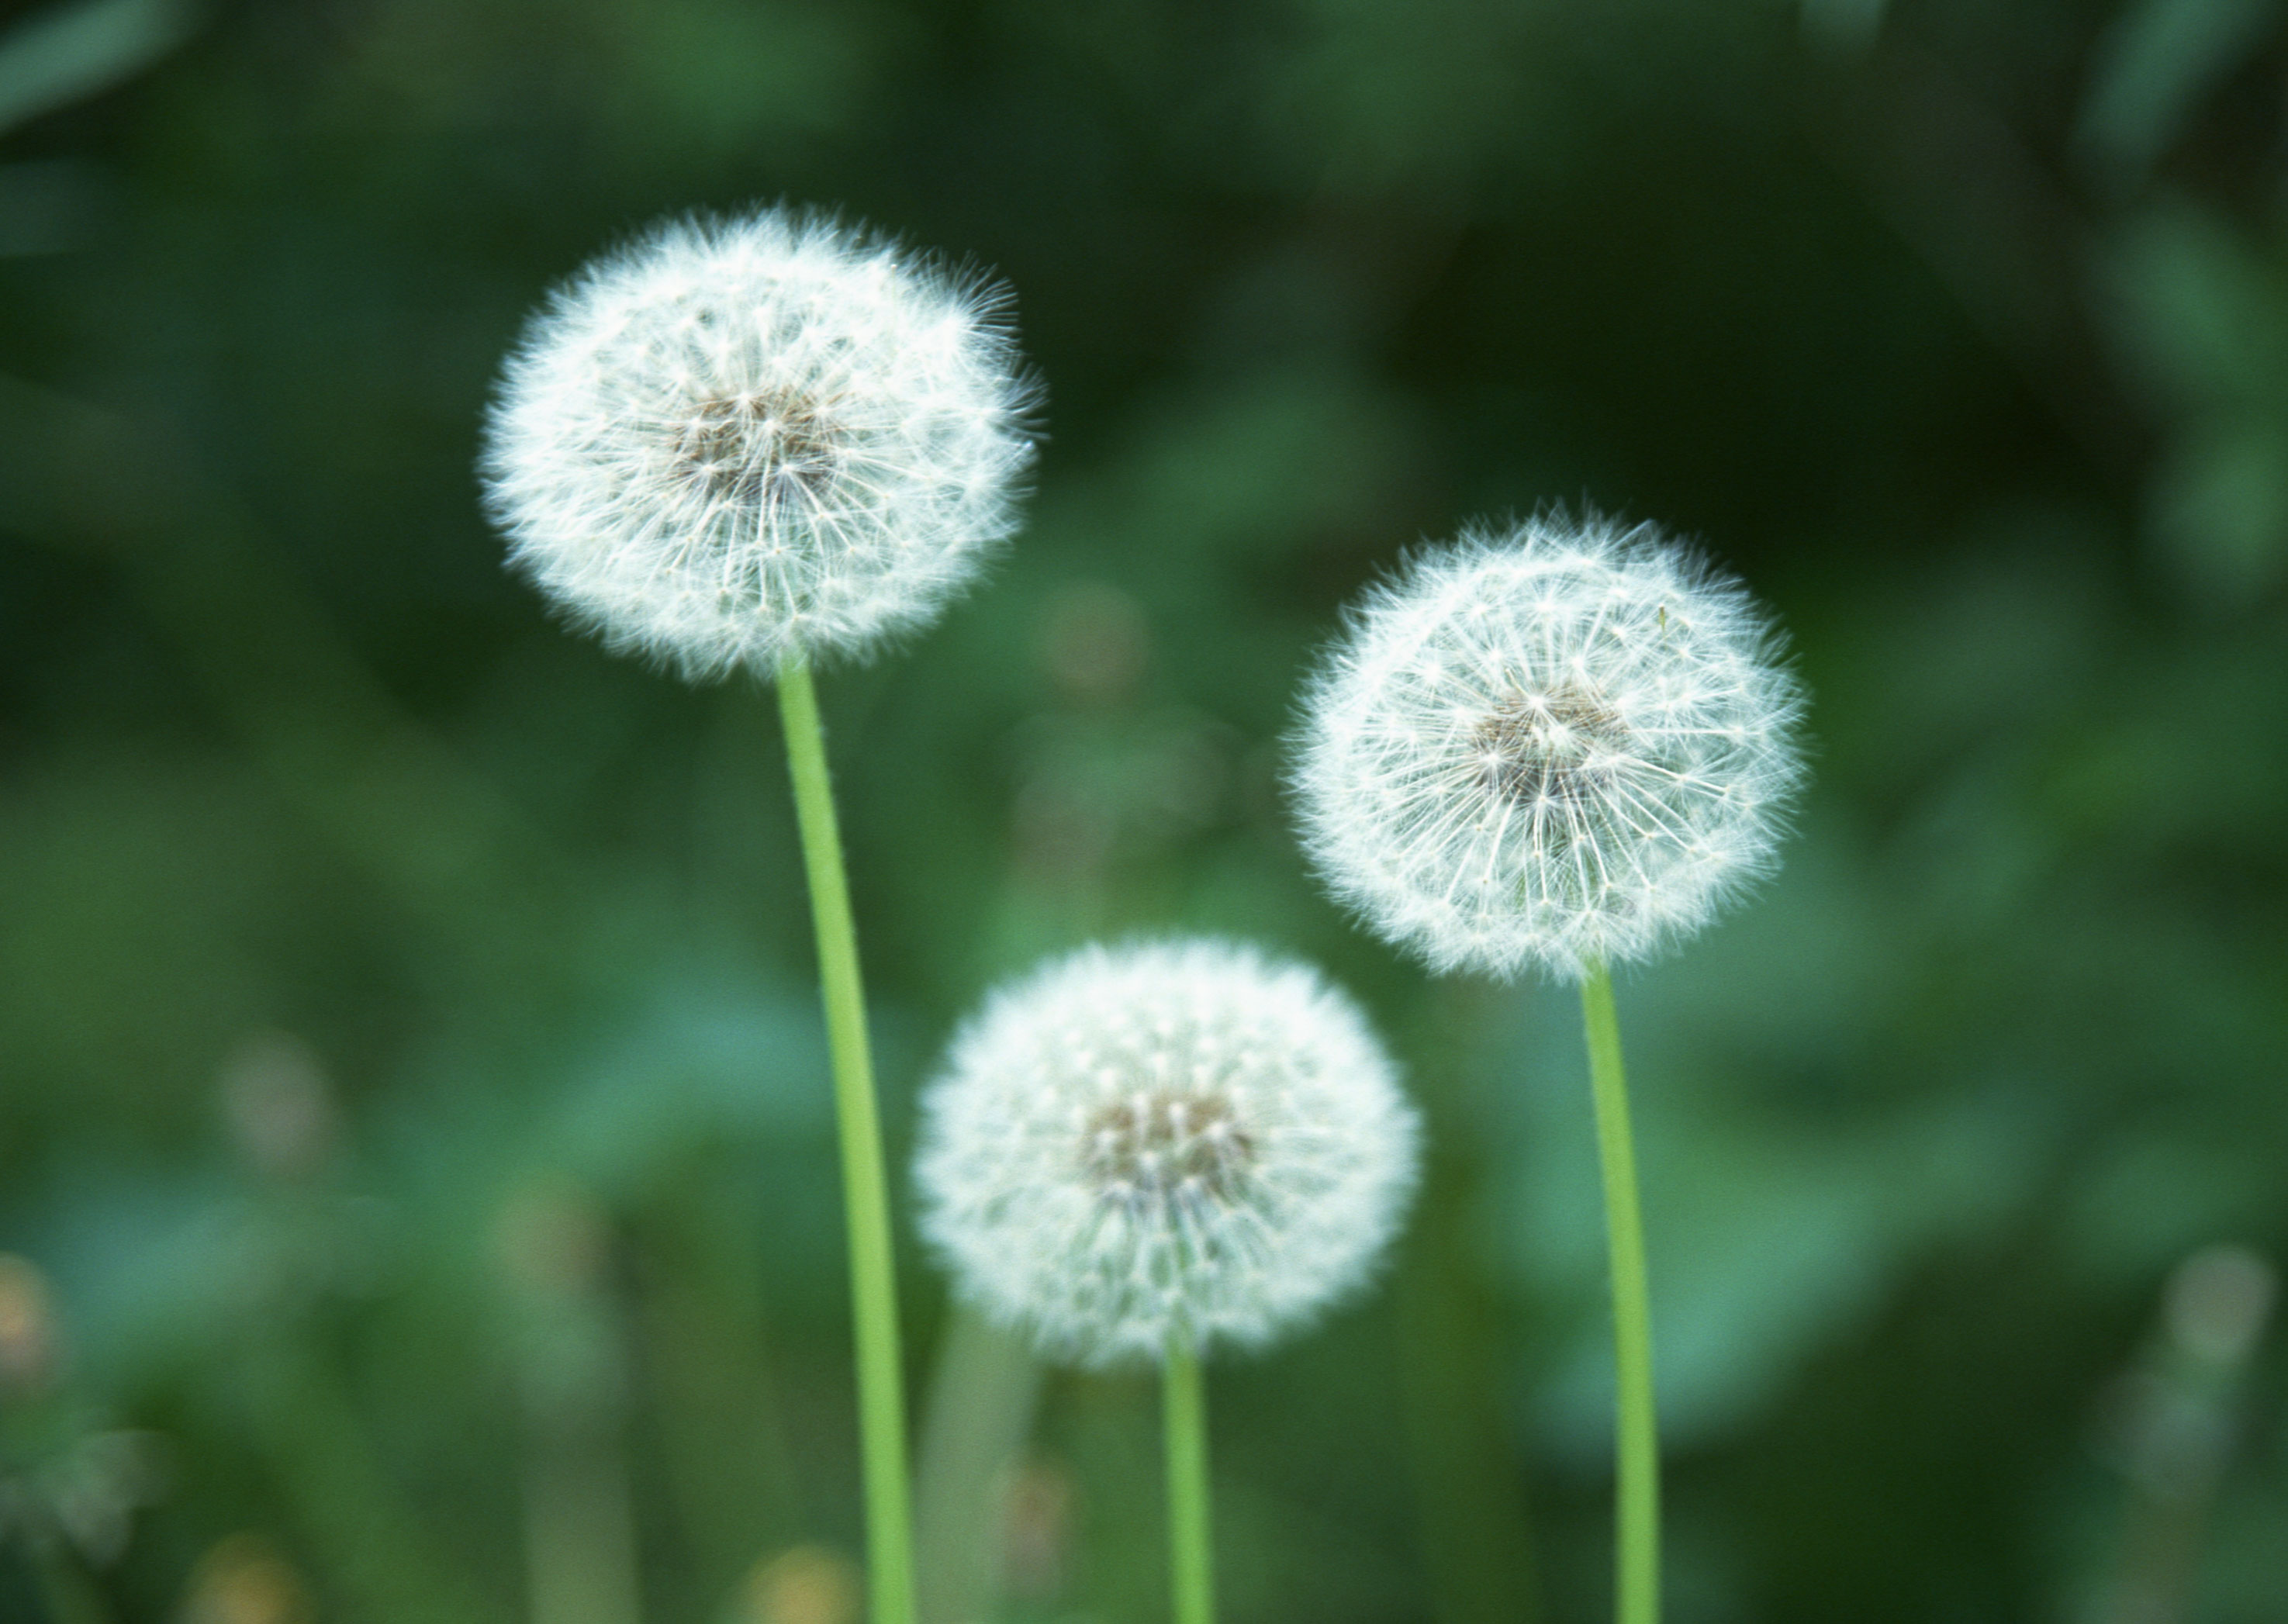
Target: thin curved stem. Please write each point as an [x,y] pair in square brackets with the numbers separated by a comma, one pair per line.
[865,1186]
[1636,1562]
[1191,1552]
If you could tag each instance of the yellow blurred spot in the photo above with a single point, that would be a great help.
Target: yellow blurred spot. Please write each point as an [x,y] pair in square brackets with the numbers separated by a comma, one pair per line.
[806,1584]
[1036,1528]
[553,1238]
[1097,643]
[27,1324]
[245,1580]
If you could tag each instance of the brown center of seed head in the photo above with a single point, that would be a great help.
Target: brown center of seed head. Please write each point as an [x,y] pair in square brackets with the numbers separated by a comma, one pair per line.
[751,449]
[1536,748]
[1155,1142]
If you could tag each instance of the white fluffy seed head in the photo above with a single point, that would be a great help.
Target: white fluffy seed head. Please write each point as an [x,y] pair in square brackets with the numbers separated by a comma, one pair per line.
[1179,1138]
[1563,743]
[734,441]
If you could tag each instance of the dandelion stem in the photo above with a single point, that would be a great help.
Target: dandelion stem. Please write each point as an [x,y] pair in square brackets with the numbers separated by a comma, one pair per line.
[981,1409]
[1191,1554]
[1636,1565]
[865,1193]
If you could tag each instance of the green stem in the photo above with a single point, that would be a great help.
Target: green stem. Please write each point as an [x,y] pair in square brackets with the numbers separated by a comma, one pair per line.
[1637,1545]
[865,1187]
[1191,1553]
[579,1536]
[980,1408]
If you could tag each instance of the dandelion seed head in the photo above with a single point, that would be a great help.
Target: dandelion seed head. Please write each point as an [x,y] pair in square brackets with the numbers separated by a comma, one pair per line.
[1179,1137]
[1562,743]
[737,440]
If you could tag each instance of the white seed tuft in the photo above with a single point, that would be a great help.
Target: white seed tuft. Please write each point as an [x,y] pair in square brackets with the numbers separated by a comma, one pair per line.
[734,440]
[1562,744]
[1174,1138]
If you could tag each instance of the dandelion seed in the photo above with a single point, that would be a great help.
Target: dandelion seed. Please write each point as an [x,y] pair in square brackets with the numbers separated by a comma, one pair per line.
[1179,1141]
[738,440]
[753,443]
[1563,744]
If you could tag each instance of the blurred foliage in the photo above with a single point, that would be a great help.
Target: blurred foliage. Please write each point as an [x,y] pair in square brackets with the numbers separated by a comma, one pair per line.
[415,1169]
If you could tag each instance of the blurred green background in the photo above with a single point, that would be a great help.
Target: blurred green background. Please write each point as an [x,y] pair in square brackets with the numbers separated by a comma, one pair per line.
[416,1169]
